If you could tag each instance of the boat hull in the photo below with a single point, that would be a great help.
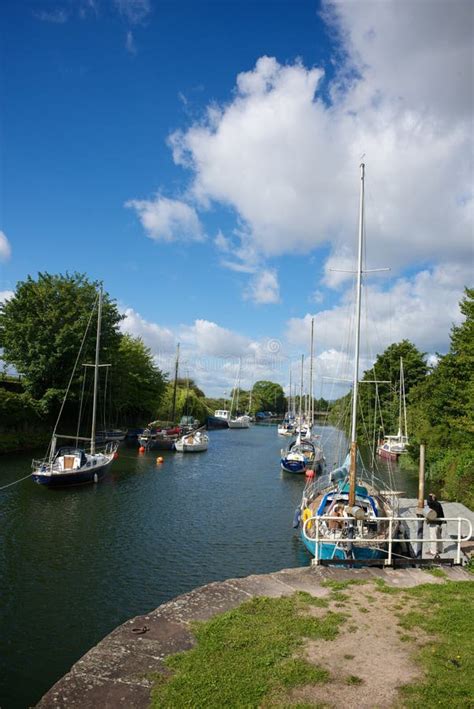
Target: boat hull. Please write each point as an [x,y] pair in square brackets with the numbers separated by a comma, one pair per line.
[296,467]
[329,550]
[69,479]
[387,454]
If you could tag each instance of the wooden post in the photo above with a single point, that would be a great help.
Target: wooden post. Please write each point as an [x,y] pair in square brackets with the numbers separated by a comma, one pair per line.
[421,501]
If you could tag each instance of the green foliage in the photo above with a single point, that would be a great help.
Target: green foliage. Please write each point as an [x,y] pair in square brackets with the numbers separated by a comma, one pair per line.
[454,474]
[42,326]
[387,368]
[41,330]
[188,403]
[247,656]
[137,384]
[268,396]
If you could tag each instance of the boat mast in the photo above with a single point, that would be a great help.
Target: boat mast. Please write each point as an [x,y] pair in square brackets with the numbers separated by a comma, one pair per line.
[175,387]
[355,382]
[96,372]
[311,401]
[301,392]
[402,395]
[289,398]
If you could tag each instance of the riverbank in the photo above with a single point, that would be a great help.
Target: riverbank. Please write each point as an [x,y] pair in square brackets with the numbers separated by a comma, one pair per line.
[302,636]
[21,441]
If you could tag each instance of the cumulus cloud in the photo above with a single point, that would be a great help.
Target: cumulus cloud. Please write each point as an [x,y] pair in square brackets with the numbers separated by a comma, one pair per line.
[168,219]
[421,309]
[208,338]
[5,248]
[6,295]
[159,339]
[264,288]
[286,160]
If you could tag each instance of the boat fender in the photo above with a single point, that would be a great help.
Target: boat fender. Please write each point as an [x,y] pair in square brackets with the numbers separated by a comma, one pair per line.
[297,518]
[96,478]
[159,460]
[306,515]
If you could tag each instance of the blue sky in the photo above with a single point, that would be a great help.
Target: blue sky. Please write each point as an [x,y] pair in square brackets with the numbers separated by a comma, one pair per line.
[201,158]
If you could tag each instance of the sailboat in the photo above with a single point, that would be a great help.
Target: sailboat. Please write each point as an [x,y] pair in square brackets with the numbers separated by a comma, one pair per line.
[391,447]
[162,435]
[73,464]
[344,515]
[238,421]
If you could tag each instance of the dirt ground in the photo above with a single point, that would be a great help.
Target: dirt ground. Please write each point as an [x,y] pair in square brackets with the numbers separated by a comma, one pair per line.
[370,659]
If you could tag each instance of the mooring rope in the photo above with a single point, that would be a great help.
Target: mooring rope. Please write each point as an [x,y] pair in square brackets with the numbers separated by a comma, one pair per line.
[15,482]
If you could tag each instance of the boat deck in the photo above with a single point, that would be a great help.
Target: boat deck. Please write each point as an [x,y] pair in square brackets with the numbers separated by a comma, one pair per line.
[408,508]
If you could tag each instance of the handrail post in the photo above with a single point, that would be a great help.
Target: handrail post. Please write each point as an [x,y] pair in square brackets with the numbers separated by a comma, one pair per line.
[316,548]
[458,550]
[390,526]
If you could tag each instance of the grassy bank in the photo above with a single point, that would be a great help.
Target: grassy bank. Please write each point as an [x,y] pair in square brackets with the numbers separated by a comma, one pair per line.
[361,645]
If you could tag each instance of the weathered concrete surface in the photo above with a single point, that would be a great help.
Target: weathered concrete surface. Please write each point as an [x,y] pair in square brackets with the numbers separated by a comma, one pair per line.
[116,672]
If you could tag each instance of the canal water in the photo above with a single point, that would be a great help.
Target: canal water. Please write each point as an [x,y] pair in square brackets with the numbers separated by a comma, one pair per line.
[76,563]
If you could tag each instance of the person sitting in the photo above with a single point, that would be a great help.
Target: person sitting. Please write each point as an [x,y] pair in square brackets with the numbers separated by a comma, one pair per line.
[337,513]
[436,546]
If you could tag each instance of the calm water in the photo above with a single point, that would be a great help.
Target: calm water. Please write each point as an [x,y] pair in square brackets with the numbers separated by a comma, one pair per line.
[76,563]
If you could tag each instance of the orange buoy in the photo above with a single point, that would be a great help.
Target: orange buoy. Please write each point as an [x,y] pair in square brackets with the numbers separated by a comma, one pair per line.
[309,474]
[159,459]
[141,449]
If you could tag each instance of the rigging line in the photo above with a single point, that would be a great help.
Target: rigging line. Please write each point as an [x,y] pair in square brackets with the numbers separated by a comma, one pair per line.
[79,417]
[73,370]
[15,482]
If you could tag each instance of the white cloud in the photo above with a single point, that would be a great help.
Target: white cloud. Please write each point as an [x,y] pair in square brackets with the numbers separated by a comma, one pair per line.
[421,309]
[159,339]
[168,219]
[6,295]
[264,288]
[130,43]
[134,11]
[5,248]
[287,162]
[208,338]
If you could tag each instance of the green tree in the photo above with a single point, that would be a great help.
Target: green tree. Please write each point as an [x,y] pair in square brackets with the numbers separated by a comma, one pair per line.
[42,326]
[441,409]
[268,396]
[387,369]
[137,384]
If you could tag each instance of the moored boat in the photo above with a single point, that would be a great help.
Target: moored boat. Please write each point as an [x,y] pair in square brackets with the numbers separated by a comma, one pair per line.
[347,515]
[194,442]
[66,466]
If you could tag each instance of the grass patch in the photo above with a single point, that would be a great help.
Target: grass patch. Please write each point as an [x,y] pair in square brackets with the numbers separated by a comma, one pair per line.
[353,679]
[247,655]
[339,596]
[363,610]
[342,585]
[447,613]
[348,657]
[436,571]
[383,587]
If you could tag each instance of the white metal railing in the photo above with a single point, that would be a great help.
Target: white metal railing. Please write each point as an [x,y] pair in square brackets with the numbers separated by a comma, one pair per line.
[388,539]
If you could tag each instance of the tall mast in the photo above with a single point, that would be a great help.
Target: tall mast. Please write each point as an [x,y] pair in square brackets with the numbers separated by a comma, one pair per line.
[173,410]
[311,402]
[289,398]
[355,381]
[301,390]
[96,372]
[402,394]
